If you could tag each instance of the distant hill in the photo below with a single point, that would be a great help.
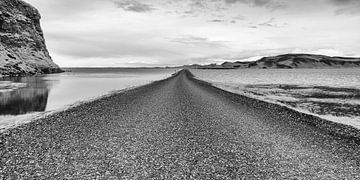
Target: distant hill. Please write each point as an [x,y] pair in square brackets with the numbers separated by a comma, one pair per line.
[288,61]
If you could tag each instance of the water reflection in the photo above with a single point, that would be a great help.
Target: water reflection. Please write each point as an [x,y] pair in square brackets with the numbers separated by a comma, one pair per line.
[27,95]
[22,95]
[26,98]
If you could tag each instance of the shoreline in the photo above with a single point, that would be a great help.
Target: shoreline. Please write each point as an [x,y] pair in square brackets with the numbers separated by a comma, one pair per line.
[334,128]
[11,121]
[28,118]
[304,111]
[38,116]
[8,74]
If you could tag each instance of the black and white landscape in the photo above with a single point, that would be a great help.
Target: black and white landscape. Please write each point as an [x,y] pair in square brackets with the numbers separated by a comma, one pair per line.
[185,89]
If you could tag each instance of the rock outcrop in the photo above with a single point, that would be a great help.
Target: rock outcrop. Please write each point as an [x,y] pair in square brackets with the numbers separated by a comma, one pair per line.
[22,44]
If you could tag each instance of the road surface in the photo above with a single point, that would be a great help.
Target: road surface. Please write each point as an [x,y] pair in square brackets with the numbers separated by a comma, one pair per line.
[179,128]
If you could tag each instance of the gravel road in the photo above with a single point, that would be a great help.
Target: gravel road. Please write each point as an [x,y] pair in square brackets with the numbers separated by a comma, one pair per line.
[180,128]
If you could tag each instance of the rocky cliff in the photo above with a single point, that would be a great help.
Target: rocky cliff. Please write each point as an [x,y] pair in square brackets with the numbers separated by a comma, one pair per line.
[22,44]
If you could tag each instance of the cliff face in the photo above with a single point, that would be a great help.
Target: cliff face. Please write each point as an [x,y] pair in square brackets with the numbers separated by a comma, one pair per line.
[22,44]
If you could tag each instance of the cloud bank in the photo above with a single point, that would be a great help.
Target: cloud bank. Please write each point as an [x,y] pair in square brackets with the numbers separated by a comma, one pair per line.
[176,32]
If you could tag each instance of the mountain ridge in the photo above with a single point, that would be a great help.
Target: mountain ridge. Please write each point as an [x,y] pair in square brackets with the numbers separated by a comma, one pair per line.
[287,61]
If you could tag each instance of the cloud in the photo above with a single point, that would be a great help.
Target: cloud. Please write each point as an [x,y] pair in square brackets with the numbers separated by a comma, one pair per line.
[198,3]
[198,41]
[89,45]
[272,23]
[239,17]
[107,32]
[189,12]
[253,2]
[134,6]
[350,7]
[345,2]
[217,20]
[354,10]
[271,4]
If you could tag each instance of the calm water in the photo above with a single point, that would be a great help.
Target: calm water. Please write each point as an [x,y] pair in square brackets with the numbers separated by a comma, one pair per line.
[22,98]
[333,94]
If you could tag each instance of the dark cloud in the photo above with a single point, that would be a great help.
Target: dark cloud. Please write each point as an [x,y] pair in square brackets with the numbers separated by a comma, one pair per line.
[344,2]
[351,7]
[198,3]
[217,20]
[188,12]
[134,6]
[353,10]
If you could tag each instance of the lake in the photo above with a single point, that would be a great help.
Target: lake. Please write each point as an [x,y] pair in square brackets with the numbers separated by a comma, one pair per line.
[24,98]
[333,94]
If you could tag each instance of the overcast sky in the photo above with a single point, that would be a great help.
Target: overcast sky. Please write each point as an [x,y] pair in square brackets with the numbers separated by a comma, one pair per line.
[175,32]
